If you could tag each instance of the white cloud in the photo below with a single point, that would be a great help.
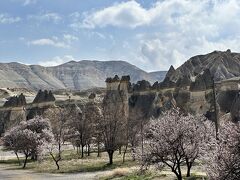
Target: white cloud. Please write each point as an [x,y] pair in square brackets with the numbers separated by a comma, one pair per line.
[64,42]
[54,17]
[125,14]
[174,30]
[49,42]
[131,14]
[56,61]
[159,53]
[7,19]
[70,38]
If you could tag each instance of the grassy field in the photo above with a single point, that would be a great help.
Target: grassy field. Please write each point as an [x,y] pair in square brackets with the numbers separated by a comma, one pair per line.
[72,163]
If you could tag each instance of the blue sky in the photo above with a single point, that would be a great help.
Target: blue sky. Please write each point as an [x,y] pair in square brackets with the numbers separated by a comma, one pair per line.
[151,34]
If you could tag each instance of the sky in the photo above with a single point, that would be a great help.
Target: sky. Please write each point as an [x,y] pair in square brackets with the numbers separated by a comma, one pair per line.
[151,34]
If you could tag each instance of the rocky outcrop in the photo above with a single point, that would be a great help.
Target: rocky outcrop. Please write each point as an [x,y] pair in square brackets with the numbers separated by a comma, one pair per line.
[170,72]
[141,86]
[92,96]
[221,64]
[202,82]
[225,99]
[16,101]
[44,96]
[235,108]
[115,101]
[183,82]
[10,118]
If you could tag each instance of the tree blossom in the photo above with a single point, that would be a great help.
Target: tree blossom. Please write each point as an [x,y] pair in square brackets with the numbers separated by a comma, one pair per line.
[28,137]
[174,139]
[222,154]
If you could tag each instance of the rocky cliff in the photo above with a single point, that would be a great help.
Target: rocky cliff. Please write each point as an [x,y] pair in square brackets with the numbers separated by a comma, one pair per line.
[221,64]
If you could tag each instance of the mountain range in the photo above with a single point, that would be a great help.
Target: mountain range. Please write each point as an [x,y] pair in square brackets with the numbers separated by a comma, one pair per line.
[86,74]
[72,75]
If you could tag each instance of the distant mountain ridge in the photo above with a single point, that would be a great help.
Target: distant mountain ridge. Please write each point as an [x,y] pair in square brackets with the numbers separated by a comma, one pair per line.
[73,75]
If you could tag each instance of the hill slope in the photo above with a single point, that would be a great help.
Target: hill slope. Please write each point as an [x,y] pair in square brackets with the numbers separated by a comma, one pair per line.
[72,75]
[222,65]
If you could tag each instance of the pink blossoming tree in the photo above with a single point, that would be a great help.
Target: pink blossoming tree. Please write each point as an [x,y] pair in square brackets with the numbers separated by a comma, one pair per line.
[28,137]
[174,140]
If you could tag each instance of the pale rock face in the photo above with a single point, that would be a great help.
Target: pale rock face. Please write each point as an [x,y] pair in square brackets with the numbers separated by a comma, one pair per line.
[72,75]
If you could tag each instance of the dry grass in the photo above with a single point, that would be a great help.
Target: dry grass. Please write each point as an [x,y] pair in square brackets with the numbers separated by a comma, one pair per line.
[71,163]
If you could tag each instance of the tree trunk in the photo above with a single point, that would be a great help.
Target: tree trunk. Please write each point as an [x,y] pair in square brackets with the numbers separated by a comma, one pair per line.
[98,149]
[179,176]
[59,150]
[133,152]
[188,172]
[56,160]
[120,150]
[142,137]
[58,167]
[82,151]
[179,172]
[189,166]
[19,162]
[25,161]
[110,155]
[88,152]
[124,153]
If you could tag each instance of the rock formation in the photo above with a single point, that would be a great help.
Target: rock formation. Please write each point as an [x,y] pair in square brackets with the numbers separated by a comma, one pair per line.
[44,96]
[235,108]
[221,64]
[142,86]
[92,96]
[202,82]
[15,101]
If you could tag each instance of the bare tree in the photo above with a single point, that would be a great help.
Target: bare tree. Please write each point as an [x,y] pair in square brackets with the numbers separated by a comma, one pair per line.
[113,126]
[98,132]
[94,116]
[136,123]
[59,118]
[174,140]
[81,127]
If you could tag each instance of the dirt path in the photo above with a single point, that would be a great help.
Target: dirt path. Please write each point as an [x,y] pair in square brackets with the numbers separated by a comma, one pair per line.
[7,173]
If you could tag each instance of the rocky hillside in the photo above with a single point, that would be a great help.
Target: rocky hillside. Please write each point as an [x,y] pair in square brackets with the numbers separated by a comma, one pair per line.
[72,75]
[222,65]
